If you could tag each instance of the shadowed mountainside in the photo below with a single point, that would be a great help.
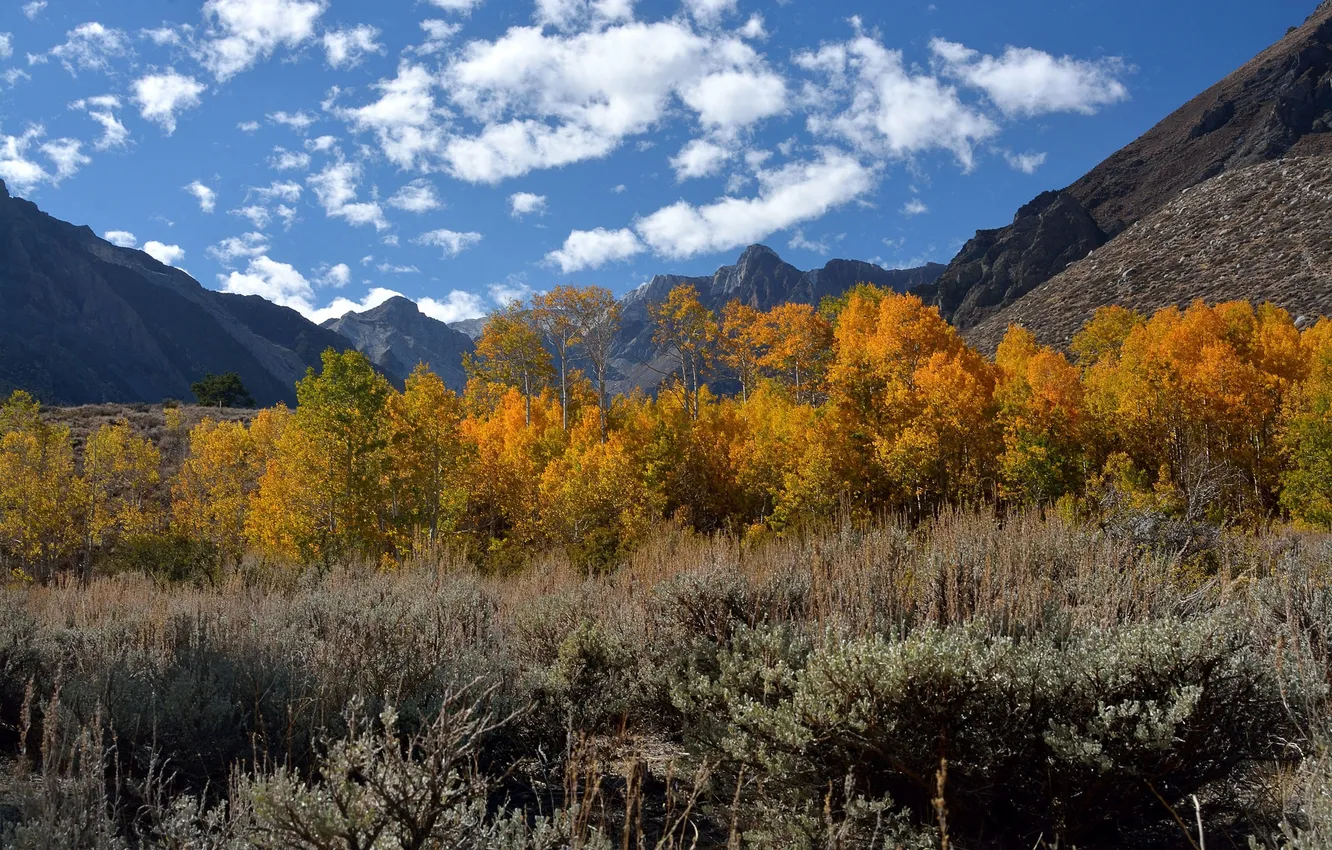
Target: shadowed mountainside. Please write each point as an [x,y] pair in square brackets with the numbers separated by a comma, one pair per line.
[396,336]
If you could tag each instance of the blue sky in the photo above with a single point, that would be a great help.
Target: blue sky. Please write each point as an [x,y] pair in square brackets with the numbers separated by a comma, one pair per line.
[324,153]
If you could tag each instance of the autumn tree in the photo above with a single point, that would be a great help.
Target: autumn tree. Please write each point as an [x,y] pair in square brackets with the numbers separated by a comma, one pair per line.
[210,497]
[40,497]
[1306,435]
[796,343]
[555,315]
[509,352]
[596,314]
[426,454]
[688,331]
[739,345]
[121,471]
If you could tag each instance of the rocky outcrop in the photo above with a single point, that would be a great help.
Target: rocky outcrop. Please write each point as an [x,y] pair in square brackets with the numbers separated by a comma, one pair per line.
[1278,104]
[999,266]
[82,320]
[1261,233]
[397,336]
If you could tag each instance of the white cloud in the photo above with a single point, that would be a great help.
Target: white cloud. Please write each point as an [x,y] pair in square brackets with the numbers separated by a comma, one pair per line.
[799,242]
[787,196]
[33,9]
[284,189]
[206,197]
[285,160]
[405,119]
[335,187]
[417,196]
[914,207]
[102,110]
[544,99]
[335,276]
[526,203]
[514,288]
[619,189]
[11,76]
[16,169]
[248,126]
[287,214]
[452,242]
[282,284]
[67,156]
[91,47]
[872,101]
[167,255]
[348,47]
[709,12]
[122,238]
[299,121]
[259,216]
[161,96]
[438,35]
[163,35]
[462,7]
[1027,163]
[455,307]
[589,249]
[1027,82]
[241,32]
[322,144]
[754,28]
[6,45]
[699,158]
[233,248]
[390,268]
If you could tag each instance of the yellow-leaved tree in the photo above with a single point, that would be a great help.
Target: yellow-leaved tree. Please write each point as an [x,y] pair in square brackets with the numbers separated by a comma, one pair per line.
[121,471]
[426,459]
[40,497]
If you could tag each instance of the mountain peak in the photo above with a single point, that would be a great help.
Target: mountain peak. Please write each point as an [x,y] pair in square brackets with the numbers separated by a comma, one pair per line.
[398,305]
[754,252]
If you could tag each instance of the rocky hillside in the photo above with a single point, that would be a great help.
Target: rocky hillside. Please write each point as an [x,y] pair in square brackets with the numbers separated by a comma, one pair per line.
[1261,233]
[759,278]
[1278,104]
[83,321]
[396,336]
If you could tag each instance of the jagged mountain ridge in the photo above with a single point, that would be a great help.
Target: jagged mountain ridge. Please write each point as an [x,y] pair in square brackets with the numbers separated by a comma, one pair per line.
[396,336]
[1277,104]
[1261,233]
[82,320]
[760,279]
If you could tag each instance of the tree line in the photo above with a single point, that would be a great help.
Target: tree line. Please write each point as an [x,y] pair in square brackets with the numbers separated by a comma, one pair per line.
[866,404]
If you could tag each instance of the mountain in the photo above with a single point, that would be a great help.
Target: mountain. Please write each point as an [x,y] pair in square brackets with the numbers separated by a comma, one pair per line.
[1261,233]
[396,336]
[760,279]
[1277,105]
[82,320]
[471,327]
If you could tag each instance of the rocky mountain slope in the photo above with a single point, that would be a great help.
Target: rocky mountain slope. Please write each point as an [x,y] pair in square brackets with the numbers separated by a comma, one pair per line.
[1261,233]
[759,278]
[396,336]
[1278,104]
[82,320]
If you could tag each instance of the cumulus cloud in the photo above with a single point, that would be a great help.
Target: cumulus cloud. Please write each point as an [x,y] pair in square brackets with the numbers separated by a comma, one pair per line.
[914,207]
[1025,82]
[699,158]
[91,47]
[299,121]
[282,284]
[589,249]
[167,255]
[285,160]
[322,144]
[452,242]
[241,32]
[1027,163]
[6,45]
[206,197]
[336,276]
[871,100]
[787,196]
[708,12]
[122,238]
[541,97]
[417,196]
[161,96]
[20,172]
[462,7]
[455,307]
[67,157]
[390,268]
[102,110]
[259,216]
[346,48]
[33,9]
[233,248]
[285,190]
[526,203]
[335,187]
[164,35]
[248,126]
[438,35]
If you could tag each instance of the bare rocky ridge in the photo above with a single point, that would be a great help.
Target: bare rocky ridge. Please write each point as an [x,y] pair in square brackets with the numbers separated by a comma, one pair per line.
[396,336]
[1277,104]
[1261,233]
